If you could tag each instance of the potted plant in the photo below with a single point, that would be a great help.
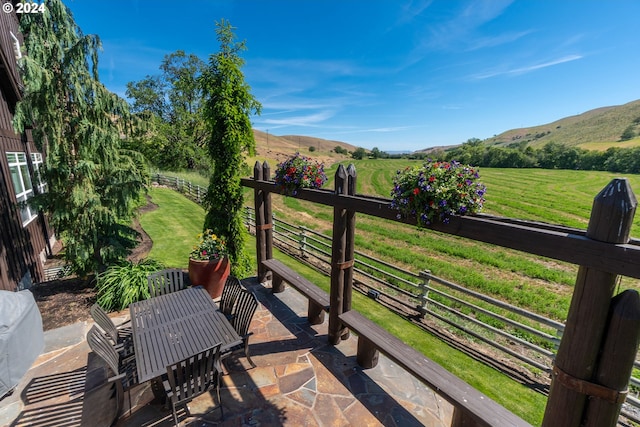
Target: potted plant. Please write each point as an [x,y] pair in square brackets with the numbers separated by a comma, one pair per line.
[209,264]
[435,191]
[298,172]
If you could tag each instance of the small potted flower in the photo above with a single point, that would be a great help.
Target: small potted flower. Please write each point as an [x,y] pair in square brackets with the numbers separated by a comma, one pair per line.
[209,263]
[299,172]
[436,191]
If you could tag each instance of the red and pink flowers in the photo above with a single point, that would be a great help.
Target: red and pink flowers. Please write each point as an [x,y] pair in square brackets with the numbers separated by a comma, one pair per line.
[298,172]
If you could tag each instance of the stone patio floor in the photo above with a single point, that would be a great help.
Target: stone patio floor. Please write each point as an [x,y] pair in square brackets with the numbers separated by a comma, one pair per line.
[300,379]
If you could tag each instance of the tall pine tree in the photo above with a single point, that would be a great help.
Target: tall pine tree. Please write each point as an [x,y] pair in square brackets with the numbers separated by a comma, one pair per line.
[228,107]
[91,180]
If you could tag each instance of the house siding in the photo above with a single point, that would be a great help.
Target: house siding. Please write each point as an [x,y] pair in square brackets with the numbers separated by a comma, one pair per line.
[23,248]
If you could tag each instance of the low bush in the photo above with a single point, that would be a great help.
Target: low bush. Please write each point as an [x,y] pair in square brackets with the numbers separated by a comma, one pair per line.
[125,283]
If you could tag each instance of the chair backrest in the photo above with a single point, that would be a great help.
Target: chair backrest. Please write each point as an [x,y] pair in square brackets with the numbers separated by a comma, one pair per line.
[101,346]
[103,320]
[165,281]
[230,292]
[243,311]
[194,375]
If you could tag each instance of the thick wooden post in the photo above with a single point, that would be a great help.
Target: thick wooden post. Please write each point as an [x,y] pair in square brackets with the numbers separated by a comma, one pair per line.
[611,218]
[268,212]
[616,361]
[264,232]
[258,201]
[349,247]
[338,249]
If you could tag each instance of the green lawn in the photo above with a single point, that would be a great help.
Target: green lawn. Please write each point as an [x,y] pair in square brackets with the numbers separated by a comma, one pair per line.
[173,227]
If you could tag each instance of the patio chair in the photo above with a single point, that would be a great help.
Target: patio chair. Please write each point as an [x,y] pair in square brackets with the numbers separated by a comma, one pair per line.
[124,369]
[165,281]
[230,292]
[241,316]
[192,377]
[120,335]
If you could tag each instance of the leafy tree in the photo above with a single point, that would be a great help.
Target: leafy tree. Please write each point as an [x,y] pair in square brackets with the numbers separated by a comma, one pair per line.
[312,148]
[227,110]
[92,180]
[172,103]
[628,133]
[359,153]
[340,150]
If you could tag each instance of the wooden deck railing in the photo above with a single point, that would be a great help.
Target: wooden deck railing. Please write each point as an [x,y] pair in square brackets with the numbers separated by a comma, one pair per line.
[601,331]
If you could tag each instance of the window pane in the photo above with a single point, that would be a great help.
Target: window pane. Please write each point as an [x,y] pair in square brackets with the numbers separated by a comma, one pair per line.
[15,178]
[25,177]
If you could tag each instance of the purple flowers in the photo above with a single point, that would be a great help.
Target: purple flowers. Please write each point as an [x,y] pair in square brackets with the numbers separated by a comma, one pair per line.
[437,190]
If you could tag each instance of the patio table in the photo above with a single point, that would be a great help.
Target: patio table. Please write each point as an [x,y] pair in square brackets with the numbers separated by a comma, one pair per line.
[172,327]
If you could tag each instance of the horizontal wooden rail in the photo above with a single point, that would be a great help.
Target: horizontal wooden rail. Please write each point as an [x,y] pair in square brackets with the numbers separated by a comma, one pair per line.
[471,407]
[564,244]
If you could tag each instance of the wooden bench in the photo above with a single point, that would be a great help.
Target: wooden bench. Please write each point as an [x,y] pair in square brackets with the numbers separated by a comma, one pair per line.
[472,408]
[318,299]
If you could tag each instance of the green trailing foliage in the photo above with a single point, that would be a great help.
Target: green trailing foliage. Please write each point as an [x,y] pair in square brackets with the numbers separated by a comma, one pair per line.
[125,283]
[93,182]
[228,107]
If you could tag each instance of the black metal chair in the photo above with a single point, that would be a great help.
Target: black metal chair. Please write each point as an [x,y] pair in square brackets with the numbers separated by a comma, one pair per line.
[165,281]
[230,292]
[192,377]
[125,374]
[120,335]
[243,311]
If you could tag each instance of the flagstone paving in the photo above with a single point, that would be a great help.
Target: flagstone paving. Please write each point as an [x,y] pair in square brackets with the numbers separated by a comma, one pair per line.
[300,379]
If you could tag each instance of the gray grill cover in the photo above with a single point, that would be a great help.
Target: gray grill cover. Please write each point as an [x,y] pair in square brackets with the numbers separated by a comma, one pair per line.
[21,337]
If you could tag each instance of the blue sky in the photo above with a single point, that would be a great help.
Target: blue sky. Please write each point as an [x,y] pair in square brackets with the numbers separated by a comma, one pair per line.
[397,75]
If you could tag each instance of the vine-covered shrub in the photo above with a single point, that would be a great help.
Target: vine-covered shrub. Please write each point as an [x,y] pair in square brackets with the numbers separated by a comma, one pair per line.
[435,191]
[299,172]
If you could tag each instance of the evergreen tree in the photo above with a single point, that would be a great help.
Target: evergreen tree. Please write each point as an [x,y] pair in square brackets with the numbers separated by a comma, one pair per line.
[92,181]
[228,107]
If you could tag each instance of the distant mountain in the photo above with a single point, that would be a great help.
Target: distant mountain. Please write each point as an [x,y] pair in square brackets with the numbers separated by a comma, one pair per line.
[595,129]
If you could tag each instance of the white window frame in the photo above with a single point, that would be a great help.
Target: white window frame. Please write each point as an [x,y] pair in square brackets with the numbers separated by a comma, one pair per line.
[19,170]
[36,161]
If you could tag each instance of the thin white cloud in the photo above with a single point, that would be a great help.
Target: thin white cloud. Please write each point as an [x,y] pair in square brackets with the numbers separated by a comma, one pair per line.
[485,42]
[412,9]
[527,69]
[309,120]
[460,31]
[476,13]
[388,129]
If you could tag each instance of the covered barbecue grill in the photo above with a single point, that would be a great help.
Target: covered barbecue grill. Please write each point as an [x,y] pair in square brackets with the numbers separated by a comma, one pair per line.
[21,337]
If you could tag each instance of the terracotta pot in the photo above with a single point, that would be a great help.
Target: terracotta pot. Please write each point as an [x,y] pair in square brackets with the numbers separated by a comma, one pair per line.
[211,275]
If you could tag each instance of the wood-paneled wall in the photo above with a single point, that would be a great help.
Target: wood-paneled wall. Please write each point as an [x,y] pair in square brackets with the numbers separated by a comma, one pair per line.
[20,246]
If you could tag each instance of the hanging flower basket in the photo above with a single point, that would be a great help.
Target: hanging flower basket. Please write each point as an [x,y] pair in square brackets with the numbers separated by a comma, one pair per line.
[436,191]
[299,172]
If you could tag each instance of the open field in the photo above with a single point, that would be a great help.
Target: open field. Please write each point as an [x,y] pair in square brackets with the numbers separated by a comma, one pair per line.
[540,285]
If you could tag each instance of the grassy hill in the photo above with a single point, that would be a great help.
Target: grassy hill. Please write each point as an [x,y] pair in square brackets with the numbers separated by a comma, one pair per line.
[275,149]
[596,129]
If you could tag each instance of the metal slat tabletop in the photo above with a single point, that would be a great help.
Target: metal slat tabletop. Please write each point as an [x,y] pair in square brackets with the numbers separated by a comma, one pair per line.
[172,327]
